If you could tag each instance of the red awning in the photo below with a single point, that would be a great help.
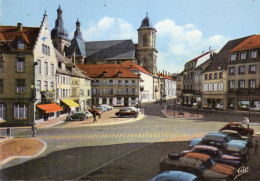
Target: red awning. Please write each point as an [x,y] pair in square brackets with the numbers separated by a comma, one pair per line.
[48,108]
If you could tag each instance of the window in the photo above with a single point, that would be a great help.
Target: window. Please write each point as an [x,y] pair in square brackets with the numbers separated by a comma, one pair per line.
[81,92]
[48,49]
[241,84]
[232,70]
[210,76]
[145,40]
[133,82]
[243,56]
[1,86]
[88,92]
[39,66]
[111,91]
[94,91]
[52,69]
[119,91]
[20,86]
[43,49]
[252,69]
[1,64]
[63,93]
[38,86]
[52,86]
[104,73]
[215,86]
[206,87]
[220,86]
[2,110]
[241,70]
[46,68]
[20,111]
[215,75]
[20,64]
[119,73]
[126,91]
[252,84]
[210,87]
[232,57]
[206,76]
[133,101]
[126,82]
[45,86]
[231,84]
[119,82]
[220,75]
[57,92]
[133,91]
[253,54]
[118,100]
[104,91]
[110,82]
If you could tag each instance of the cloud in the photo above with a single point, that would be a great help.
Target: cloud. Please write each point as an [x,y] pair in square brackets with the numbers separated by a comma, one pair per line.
[182,43]
[109,29]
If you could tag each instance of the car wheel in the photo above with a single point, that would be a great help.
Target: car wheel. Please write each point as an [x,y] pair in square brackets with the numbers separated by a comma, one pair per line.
[81,119]
[68,119]
[174,156]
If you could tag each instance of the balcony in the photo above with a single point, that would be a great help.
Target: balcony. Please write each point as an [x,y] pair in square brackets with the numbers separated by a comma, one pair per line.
[47,96]
[244,91]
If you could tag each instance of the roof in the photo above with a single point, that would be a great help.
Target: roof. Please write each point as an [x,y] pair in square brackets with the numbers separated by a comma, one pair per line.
[111,70]
[222,58]
[59,30]
[10,34]
[132,66]
[165,76]
[146,22]
[77,45]
[198,156]
[206,57]
[113,49]
[251,42]
[61,58]
[199,57]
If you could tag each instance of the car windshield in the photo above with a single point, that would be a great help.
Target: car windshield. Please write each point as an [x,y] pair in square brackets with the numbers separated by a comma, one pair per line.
[211,162]
[202,167]
[227,139]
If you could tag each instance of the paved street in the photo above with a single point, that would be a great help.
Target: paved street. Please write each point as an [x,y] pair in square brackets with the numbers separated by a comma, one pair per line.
[85,149]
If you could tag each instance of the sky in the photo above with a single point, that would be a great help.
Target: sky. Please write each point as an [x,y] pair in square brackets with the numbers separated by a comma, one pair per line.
[185,28]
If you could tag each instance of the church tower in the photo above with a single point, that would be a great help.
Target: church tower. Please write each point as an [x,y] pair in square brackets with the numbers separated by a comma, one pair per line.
[59,34]
[146,53]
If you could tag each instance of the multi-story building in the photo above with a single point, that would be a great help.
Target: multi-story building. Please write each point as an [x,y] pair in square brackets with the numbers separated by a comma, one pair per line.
[243,74]
[179,87]
[27,75]
[168,86]
[112,84]
[214,78]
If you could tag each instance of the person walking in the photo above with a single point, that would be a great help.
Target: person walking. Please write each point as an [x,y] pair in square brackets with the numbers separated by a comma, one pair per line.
[34,130]
[94,116]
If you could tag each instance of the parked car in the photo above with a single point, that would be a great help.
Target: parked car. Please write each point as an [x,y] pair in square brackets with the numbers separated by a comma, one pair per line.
[104,109]
[77,116]
[133,109]
[224,143]
[94,110]
[216,154]
[89,114]
[206,106]
[239,128]
[201,165]
[235,135]
[109,108]
[257,109]
[125,112]
[175,176]
[219,107]
[98,109]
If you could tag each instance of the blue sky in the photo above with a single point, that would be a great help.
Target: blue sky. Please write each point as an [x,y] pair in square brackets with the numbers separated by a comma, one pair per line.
[184,27]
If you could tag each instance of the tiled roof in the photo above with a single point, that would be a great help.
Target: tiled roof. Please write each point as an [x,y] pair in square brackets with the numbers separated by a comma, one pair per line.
[10,34]
[202,55]
[165,76]
[222,58]
[111,70]
[251,42]
[114,49]
[132,66]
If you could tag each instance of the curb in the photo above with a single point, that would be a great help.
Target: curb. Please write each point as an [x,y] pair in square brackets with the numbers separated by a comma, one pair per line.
[195,118]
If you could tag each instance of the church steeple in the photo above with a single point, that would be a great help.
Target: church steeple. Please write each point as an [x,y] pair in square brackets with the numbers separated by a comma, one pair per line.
[77,33]
[59,34]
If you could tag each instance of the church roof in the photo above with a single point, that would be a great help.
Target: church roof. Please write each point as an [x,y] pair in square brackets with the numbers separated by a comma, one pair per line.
[146,23]
[113,49]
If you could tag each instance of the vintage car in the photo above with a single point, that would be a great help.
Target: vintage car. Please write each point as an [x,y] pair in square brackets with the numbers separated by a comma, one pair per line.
[224,143]
[175,176]
[104,109]
[219,107]
[239,128]
[216,154]
[125,112]
[133,109]
[95,110]
[77,116]
[109,108]
[201,165]
[235,135]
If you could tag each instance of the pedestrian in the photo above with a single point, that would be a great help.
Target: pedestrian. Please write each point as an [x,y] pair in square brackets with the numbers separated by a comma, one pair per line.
[94,116]
[34,130]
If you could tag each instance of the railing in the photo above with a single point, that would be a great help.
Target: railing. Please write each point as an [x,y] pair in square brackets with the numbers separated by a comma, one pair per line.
[245,91]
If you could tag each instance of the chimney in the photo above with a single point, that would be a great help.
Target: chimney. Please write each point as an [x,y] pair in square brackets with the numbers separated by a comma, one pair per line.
[19,27]
[209,48]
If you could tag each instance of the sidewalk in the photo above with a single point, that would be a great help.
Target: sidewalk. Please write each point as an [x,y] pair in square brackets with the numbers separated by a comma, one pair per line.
[186,115]
[12,148]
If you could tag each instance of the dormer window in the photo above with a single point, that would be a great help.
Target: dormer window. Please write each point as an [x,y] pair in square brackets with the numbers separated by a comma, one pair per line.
[20,43]
[233,57]
[104,73]
[119,73]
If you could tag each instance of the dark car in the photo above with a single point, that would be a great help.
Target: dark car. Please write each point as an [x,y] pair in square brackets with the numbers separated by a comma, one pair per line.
[125,112]
[216,154]
[239,128]
[175,176]
[77,116]
[201,165]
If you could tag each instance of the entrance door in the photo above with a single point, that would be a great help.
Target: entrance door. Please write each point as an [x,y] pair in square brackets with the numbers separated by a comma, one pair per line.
[126,101]
[110,101]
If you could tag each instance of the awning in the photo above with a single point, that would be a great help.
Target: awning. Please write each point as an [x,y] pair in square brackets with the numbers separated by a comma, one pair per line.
[70,102]
[49,108]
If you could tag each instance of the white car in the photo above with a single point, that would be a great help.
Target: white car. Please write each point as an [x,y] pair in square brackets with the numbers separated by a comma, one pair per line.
[89,114]
[133,109]
[109,108]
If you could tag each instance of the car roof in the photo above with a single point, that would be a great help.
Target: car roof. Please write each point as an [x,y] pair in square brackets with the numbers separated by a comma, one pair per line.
[234,123]
[205,147]
[218,135]
[229,131]
[198,156]
[175,175]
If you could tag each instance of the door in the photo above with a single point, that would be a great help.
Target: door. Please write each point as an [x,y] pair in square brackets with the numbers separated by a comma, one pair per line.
[126,101]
